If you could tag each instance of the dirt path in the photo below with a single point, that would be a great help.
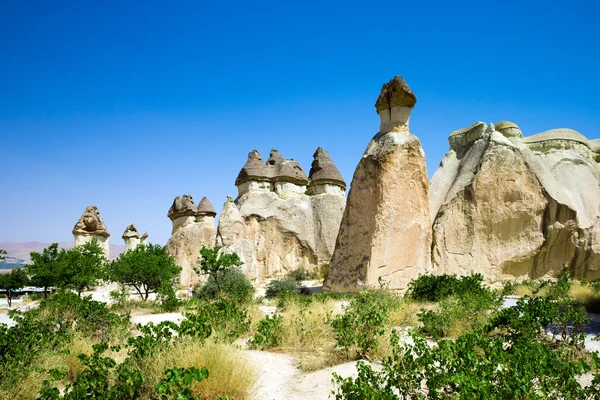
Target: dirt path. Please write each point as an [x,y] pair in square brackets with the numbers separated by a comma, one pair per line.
[281,380]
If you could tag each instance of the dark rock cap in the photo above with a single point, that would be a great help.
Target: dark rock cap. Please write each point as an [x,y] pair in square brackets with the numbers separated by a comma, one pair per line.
[91,223]
[395,93]
[182,206]
[508,129]
[130,232]
[275,169]
[323,170]
[205,208]
[253,170]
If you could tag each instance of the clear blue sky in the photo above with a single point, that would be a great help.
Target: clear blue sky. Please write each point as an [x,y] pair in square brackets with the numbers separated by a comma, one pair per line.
[126,105]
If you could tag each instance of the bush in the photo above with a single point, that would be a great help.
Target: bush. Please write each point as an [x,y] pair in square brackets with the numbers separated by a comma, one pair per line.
[299,274]
[277,286]
[224,318]
[434,288]
[512,357]
[364,321]
[234,285]
[268,333]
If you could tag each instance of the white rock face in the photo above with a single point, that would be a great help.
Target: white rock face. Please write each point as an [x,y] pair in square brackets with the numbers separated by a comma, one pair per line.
[507,206]
[102,241]
[282,229]
[274,235]
[193,228]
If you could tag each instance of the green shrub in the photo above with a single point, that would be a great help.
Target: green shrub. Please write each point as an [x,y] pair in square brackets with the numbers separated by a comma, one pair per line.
[512,357]
[233,284]
[434,288]
[226,318]
[167,298]
[277,286]
[299,274]
[364,321]
[268,333]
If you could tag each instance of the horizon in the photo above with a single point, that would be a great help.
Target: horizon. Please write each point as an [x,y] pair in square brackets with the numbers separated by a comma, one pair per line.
[126,107]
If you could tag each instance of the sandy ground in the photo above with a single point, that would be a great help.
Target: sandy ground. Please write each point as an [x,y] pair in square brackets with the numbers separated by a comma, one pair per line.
[280,380]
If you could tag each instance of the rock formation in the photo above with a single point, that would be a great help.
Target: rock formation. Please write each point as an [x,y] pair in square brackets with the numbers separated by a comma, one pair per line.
[507,206]
[282,220]
[193,228]
[132,237]
[386,229]
[91,226]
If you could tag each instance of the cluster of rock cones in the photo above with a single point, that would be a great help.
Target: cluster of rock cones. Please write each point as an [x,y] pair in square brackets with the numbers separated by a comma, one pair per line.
[500,204]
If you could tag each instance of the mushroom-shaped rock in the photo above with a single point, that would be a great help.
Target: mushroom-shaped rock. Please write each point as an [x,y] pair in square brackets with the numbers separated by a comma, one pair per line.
[132,237]
[508,129]
[385,231]
[206,208]
[90,223]
[130,232]
[323,172]
[394,105]
[395,93]
[91,226]
[182,206]
[253,170]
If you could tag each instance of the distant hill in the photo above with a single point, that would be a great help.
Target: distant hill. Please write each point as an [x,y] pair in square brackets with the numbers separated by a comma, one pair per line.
[18,252]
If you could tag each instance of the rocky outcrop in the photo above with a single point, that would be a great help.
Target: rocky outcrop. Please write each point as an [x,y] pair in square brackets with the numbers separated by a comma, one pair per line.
[91,226]
[193,228]
[282,221]
[386,229]
[507,206]
[132,237]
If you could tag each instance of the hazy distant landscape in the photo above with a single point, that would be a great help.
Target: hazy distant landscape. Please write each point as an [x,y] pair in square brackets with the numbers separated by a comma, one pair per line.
[18,252]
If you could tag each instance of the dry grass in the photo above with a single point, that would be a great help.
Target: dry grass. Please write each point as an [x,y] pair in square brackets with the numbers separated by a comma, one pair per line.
[30,385]
[407,313]
[229,372]
[586,295]
[307,334]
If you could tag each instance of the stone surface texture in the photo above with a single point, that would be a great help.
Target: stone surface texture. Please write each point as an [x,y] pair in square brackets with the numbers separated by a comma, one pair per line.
[132,237]
[507,206]
[274,224]
[193,228]
[385,232]
[91,226]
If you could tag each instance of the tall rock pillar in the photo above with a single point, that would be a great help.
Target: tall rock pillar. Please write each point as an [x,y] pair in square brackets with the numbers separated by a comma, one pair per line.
[91,226]
[386,228]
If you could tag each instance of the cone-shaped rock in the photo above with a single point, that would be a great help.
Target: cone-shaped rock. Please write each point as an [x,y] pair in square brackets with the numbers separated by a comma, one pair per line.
[91,226]
[182,207]
[206,208]
[324,171]
[386,229]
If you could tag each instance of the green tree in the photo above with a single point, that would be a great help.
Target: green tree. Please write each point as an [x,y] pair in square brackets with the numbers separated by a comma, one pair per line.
[45,268]
[2,251]
[215,264]
[147,268]
[82,267]
[14,280]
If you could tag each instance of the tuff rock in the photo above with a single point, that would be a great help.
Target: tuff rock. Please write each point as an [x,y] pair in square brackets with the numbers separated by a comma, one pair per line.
[132,237]
[282,221]
[91,226]
[507,206]
[193,228]
[385,231]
